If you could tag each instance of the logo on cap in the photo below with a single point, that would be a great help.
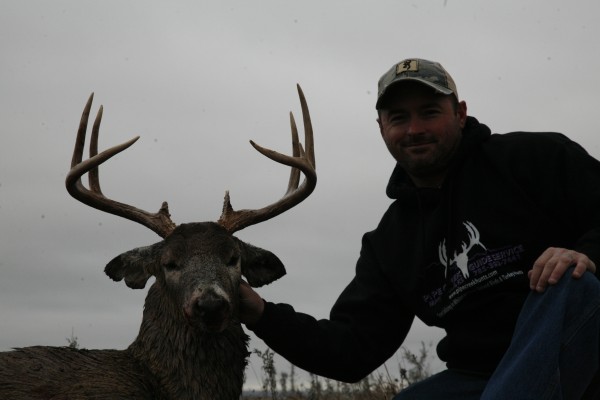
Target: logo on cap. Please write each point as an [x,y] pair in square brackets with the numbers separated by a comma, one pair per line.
[407,66]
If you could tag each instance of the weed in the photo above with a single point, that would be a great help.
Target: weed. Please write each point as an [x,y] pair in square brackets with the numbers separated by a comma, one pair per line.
[413,367]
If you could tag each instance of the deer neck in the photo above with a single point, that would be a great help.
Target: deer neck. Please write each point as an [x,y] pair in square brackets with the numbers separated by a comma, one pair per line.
[188,363]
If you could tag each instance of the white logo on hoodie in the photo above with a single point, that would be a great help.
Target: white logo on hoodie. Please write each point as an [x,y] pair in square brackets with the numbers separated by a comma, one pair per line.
[461,259]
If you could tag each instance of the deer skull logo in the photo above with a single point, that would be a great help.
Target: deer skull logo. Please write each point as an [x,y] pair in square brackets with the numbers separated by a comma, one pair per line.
[461,259]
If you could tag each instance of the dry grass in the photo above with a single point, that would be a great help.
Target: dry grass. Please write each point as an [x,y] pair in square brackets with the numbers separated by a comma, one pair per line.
[283,386]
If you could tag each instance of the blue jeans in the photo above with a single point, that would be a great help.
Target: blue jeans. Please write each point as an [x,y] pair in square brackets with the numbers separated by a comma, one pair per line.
[554,353]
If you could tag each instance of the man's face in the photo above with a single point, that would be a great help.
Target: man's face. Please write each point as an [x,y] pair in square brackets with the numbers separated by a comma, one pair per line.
[422,130]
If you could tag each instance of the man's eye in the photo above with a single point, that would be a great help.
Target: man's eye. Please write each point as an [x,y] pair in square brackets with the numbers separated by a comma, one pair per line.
[398,118]
[431,113]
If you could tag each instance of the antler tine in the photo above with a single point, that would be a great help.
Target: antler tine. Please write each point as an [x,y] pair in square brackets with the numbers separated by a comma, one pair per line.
[308,130]
[160,222]
[300,160]
[297,151]
[93,175]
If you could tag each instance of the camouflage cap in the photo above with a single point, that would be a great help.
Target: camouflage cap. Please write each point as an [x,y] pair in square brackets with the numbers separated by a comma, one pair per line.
[427,72]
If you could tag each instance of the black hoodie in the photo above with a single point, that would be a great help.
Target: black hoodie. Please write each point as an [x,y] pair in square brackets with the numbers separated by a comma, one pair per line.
[455,257]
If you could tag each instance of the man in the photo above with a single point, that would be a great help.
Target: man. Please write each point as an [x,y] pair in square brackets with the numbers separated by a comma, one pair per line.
[494,238]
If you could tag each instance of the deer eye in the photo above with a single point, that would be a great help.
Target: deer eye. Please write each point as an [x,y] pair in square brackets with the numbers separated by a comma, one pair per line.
[233,261]
[171,265]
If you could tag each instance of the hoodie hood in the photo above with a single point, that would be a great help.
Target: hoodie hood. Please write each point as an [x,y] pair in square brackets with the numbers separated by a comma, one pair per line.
[473,134]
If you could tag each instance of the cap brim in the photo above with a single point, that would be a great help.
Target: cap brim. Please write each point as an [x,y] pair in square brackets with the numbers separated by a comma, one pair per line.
[437,88]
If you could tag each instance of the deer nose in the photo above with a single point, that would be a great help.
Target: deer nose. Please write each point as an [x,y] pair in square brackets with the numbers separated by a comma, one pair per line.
[211,307]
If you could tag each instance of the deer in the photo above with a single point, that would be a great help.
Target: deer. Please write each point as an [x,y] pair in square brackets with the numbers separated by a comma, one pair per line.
[190,344]
[461,259]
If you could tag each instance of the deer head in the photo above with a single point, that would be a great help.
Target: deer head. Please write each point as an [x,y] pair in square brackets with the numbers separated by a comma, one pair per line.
[461,259]
[197,266]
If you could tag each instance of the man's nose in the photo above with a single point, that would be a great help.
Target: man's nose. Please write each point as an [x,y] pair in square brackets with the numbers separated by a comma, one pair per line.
[415,126]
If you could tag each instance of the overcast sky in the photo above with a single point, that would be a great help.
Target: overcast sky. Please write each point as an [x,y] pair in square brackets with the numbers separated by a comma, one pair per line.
[198,79]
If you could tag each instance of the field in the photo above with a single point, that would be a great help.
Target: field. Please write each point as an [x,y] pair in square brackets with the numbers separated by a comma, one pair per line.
[284,386]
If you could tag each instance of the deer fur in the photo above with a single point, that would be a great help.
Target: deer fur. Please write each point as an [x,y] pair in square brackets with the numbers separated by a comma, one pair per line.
[190,343]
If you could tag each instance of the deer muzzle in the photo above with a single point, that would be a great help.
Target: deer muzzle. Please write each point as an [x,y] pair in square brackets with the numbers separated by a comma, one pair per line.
[208,311]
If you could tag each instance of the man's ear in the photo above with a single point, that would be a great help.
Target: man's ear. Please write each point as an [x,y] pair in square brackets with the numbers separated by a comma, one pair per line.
[259,266]
[462,113]
[135,266]
[379,122]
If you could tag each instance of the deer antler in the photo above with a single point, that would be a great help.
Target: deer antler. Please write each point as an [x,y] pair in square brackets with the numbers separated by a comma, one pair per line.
[474,237]
[160,222]
[442,253]
[300,160]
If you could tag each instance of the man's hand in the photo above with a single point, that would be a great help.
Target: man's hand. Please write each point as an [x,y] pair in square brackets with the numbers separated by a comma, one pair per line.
[251,305]
[549,268]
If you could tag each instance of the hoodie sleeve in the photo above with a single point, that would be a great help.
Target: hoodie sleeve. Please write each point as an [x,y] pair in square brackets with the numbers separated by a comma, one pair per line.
[365,328]
[583,194]
[564,181]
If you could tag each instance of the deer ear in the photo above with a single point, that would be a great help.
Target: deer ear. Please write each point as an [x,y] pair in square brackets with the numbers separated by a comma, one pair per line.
[259,266]
[135,266]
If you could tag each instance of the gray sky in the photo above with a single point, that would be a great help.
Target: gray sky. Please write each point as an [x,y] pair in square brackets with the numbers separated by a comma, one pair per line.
[198,79]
